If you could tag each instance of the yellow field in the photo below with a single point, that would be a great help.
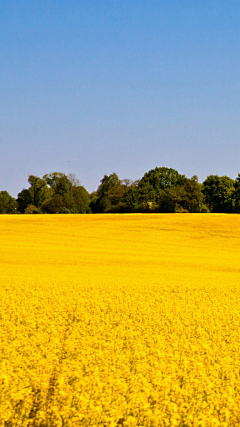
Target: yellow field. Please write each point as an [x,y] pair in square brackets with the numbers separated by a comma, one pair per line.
[120,320]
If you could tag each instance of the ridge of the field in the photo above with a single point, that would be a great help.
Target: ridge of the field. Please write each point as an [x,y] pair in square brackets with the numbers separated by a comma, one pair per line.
[110,320]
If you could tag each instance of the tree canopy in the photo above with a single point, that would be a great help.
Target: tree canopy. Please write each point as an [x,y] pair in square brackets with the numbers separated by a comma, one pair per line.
[159,190]
[8,204]
[54,193]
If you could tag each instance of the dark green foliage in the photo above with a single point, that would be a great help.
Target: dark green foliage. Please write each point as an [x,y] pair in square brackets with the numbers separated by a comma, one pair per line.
[152,185]
[236,195]
[130,199]
[32,209]
[192,196]
[54,193]
[103,204]
[8,204]
[23,200]
[58,182]
[182,198]
[34,195]
[218,192]
[81,199]
[161,178]
[161,189]
[68,196]
[170,200]
[54,205]
[38,190]
[109,194]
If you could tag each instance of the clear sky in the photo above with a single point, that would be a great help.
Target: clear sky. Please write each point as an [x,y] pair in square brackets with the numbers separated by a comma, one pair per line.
[100,86]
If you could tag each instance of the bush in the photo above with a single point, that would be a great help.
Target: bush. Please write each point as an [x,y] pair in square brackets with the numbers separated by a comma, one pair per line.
[180,209]
[32,209]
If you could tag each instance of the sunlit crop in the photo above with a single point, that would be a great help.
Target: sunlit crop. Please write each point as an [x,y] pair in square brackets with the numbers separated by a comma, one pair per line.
[120,320]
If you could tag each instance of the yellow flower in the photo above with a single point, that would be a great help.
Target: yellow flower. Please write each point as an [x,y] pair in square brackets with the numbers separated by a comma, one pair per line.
[120,320]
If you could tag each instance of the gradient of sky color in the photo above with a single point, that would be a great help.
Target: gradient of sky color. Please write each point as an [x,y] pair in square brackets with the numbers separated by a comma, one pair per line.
[100,86]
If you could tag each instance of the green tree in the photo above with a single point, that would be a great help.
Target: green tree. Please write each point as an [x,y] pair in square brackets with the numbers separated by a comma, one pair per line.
[170,199]
[34,195]
[111,187]
[67,194]
[24,199]
[32,209]
[236,195]
[154,181]
[131,198]
[218,191]
[58,182]
[8,204]
[54,205]
[38,190]
[109,194]
[192,196]
[81,199]
[161,178]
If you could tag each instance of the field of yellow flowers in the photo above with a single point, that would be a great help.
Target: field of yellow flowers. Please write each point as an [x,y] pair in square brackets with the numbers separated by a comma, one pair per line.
[120,320]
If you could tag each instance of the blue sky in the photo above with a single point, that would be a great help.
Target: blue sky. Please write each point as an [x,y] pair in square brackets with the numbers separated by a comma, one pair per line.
[95,87]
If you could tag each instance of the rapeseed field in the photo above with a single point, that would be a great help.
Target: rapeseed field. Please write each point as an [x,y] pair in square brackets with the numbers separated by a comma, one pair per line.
[120,320]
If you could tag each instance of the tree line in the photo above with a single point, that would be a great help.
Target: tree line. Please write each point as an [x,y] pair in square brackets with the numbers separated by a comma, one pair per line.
[160,190]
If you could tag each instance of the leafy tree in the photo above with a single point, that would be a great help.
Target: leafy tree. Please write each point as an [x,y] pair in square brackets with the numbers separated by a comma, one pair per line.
[192,196]
[34,195]
[23,200]
[147,197]
[69,202]
[104,204]
[109,194]
[111,187]
[32,209]
[170,199]
[54,205]
[156,180]
[58,182]
[236,195]
[218,191]
[67,194]
[81,199]
[38,190]
[8,204]
[131,198]
[161,178]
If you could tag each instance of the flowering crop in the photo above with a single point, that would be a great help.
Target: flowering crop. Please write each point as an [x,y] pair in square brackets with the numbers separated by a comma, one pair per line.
[120,320]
